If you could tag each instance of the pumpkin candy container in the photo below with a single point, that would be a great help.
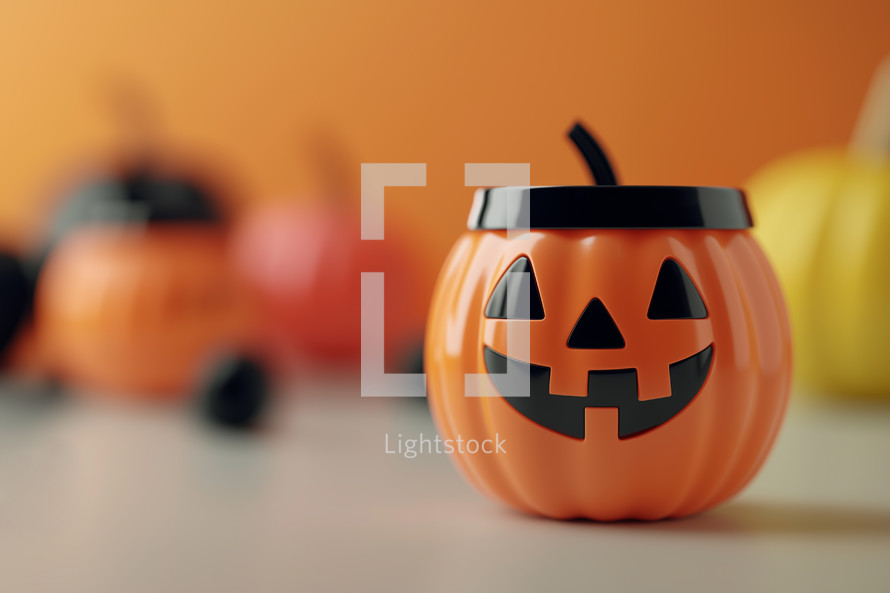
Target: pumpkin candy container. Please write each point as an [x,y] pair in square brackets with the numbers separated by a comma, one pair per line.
[658,352]
[136,295]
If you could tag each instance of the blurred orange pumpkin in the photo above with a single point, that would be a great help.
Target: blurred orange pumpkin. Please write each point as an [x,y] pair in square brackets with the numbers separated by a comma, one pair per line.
[129,310]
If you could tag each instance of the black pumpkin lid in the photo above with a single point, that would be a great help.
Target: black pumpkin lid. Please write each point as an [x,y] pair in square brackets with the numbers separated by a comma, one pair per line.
[133,195]
[137,196]
[608,205]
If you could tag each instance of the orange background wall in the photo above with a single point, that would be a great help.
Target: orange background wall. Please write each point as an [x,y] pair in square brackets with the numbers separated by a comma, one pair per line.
[691,92]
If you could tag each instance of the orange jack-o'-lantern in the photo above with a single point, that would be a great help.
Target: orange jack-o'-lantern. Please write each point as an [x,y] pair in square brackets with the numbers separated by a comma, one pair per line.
[139,293]
[659,356]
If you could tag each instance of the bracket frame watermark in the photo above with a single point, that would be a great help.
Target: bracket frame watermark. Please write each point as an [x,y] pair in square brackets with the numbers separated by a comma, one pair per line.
[375,381]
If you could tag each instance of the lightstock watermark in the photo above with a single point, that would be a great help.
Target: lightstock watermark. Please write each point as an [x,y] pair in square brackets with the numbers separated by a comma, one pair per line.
[375,381]
[410,448]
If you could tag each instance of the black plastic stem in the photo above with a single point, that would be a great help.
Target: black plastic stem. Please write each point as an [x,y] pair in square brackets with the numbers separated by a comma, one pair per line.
[593,153]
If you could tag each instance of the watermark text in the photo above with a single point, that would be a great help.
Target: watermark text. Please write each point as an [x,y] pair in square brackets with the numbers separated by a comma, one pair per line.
[425,445]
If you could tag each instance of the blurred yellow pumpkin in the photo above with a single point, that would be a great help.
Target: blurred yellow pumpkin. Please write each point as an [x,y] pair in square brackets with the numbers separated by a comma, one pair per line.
[823,218]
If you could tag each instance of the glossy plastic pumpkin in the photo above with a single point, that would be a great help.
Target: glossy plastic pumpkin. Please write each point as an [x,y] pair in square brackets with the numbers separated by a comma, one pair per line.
[659,348]
[140,311]
[137,295]
[823,218]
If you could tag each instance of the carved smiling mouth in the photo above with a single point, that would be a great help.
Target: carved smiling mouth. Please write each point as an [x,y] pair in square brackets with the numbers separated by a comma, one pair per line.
[605,389]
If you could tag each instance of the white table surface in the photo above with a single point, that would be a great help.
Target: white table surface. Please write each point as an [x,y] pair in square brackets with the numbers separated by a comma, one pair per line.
[98,497]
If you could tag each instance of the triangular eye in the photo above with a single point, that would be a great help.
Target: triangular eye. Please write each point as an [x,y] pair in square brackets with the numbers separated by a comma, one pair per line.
[513,298]
[675,296]
[595,329]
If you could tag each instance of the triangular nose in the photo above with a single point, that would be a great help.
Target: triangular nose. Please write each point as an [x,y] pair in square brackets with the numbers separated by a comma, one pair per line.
[595,329]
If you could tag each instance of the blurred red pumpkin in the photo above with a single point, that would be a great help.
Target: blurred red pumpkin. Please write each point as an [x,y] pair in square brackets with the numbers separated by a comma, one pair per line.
[305,263]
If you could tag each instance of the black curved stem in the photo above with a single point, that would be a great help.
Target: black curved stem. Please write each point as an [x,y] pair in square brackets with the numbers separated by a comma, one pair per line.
[593,153]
